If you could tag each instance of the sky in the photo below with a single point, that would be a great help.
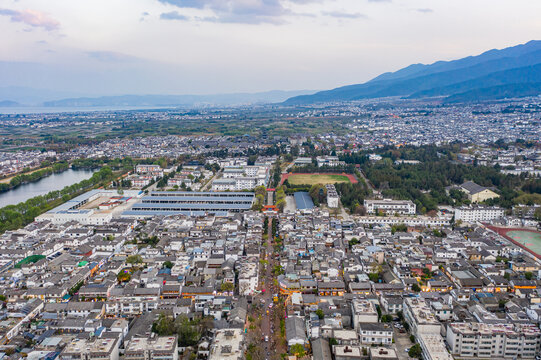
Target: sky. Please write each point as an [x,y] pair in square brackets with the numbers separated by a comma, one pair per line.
[112,47]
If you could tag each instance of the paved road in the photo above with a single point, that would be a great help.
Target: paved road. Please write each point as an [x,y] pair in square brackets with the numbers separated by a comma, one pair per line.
[266,325]
[209,183]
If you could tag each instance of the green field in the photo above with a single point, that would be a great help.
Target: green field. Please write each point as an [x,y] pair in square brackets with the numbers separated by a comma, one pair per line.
[530,239]
[28,260]
[307,179]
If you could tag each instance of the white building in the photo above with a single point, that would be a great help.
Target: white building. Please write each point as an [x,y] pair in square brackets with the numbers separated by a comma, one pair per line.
[248,278]
[389,206]
[420,317]
[480,340]
[332,196]
[364,311]
[376,334]
[471,214]
[162,347]
[227,345]
[329,161]
[433,347]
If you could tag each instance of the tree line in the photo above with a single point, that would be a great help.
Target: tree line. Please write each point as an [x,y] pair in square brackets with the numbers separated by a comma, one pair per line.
[16,216]
[34,176]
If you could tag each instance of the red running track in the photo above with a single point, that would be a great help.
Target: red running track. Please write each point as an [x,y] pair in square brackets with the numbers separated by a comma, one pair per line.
[504,231]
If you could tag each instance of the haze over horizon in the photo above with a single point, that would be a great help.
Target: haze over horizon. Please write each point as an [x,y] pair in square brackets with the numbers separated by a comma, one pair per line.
[227,46]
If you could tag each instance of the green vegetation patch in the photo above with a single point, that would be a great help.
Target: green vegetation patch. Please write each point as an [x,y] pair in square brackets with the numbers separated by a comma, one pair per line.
[29,260]
[312,179]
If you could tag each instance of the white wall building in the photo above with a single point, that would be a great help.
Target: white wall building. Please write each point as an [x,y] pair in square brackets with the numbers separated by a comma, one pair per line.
[403,207]
[480,340]
[473,214]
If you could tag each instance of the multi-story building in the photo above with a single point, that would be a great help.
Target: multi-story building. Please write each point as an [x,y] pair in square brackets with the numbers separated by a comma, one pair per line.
[227,345]
[364,311]
[433,347]
[162,347]
[389,206]
[475,213]
[376,334]
[480,340]
[332,196]
[89,349]
[420,317]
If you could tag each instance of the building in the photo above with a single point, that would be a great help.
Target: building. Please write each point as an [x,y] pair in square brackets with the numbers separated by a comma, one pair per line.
[302,161]
[376,334]
[364,311]
[389,206]
[480,340]
[303,201]
[227,345]
[154,170]
[382,353]
[296,331]
[476,213]
[159,347]
[420,317]
[95,207]
[477,193]
[328,161]
[89,349]
[332,196]
[191,203]
[433,347]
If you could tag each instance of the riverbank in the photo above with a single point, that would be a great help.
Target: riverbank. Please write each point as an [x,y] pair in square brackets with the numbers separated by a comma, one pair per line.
[13,217]
[11,183]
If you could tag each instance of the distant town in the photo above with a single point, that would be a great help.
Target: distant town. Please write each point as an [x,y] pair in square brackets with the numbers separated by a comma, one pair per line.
[383,230]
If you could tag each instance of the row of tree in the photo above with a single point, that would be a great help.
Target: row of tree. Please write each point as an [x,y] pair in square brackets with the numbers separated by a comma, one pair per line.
[33,176]
[16,216]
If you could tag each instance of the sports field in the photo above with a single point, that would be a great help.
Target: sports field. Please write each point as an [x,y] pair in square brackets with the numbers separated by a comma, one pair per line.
[528,239]
[311,179]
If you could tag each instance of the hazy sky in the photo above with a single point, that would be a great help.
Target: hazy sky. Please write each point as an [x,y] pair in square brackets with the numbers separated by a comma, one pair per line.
[215,46]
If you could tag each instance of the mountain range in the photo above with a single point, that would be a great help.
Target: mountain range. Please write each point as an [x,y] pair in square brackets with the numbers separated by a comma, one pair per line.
[495,74]
[22,97]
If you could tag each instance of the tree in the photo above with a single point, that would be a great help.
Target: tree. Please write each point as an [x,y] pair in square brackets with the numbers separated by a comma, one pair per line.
[320,314]
[124,276]
[168,264]
[415,351]
[386,318]
[227,286]
[134,259]
[298,350]
[528,275]
[416,288]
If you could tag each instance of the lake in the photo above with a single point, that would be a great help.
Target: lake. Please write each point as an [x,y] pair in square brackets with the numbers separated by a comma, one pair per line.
[43,186]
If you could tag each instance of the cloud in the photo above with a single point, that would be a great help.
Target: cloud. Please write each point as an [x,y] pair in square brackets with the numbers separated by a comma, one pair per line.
[238,11]
[344,15]
[33,18]
[174,15]
[425,10]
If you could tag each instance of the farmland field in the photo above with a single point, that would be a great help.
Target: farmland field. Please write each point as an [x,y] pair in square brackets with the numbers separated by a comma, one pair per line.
[311,179]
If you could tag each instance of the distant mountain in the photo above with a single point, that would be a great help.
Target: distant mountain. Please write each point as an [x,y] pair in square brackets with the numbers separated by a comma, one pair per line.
[9,103]
[178,100]
[31,96]
[491,75]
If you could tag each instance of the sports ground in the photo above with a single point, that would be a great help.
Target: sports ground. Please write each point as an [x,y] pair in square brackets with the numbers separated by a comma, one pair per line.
[317,178]
[529,240]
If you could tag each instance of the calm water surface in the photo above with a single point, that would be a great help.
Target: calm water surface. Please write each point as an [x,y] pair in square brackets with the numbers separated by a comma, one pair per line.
[43,186]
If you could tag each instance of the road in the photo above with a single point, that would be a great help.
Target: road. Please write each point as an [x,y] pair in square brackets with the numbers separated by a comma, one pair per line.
[368,183]
[209,183]
[269,322]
